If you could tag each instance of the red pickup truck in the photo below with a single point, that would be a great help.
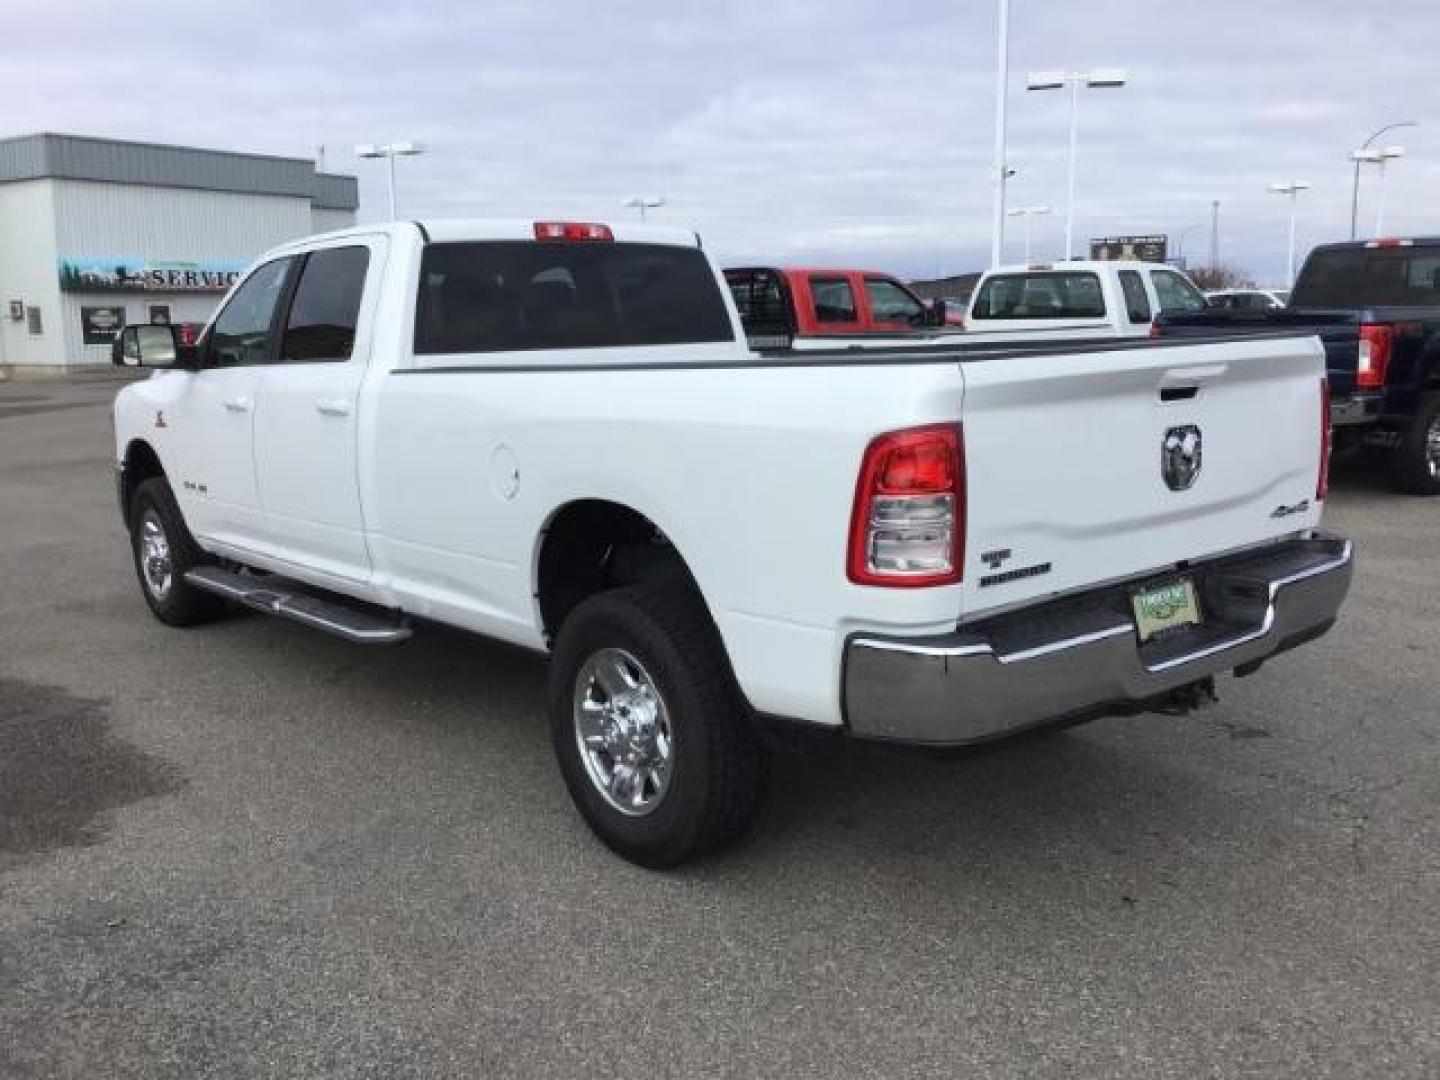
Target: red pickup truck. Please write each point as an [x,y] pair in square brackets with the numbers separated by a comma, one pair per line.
[780,303]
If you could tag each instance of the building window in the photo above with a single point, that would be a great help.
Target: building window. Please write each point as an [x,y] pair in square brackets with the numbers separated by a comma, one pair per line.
[33,321]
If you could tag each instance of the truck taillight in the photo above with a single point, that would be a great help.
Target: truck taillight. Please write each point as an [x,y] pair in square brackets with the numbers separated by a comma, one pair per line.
[907,528]
[1374,357]
[1322,481]
[572,230]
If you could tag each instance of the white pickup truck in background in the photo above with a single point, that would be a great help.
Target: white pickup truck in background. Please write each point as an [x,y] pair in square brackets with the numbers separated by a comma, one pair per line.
[554,434]
[1077,299]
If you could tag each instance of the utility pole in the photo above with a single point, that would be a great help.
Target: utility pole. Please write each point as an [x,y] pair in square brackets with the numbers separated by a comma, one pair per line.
[1215,236]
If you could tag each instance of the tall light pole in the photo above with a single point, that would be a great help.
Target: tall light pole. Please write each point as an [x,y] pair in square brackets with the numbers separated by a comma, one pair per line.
[1378,157]
[389,151]
[643,203]
[1293,189]
[1215,237]
[1002,76]
[1099,79]
[1026,213]
[1358,156]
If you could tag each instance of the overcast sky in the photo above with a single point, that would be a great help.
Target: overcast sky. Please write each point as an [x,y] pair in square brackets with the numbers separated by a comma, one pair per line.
[820,130]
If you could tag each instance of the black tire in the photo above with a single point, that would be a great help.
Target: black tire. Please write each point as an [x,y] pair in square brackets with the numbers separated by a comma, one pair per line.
[1415,463]
[178,603]
[718,768]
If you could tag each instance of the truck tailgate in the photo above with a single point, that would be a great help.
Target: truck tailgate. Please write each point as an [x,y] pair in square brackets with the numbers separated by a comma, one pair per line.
[1066,480]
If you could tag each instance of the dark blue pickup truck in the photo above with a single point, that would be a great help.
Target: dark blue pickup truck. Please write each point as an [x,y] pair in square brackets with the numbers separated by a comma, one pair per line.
[1375,305]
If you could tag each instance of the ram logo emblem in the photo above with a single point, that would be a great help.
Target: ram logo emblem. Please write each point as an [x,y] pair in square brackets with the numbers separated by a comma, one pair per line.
[1180,457]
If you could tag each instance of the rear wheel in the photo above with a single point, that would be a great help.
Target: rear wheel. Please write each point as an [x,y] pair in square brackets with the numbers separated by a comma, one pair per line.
[1415,466]
[164,550]
[652,736]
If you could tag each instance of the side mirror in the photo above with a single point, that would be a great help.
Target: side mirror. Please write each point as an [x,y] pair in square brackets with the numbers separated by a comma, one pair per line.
[935,313]
[152,345]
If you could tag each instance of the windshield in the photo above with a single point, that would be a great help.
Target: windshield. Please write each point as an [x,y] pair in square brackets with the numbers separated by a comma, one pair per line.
[1369,277]
[1040,296]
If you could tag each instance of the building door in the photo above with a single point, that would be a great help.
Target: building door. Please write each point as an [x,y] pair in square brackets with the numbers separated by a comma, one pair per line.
[306,445]
[212,421]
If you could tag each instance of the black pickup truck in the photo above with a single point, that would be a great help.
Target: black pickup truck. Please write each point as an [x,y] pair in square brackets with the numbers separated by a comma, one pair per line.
[1375,305]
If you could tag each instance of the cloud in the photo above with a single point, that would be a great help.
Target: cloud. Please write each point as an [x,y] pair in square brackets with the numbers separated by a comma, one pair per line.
[850,131]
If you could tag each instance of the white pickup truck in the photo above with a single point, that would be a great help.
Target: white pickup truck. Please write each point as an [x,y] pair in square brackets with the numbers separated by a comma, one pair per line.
[1077,299]
[553,433]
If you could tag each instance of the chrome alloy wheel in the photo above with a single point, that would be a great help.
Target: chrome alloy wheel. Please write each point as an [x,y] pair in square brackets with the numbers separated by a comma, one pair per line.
[155,563]
[623,731]
[1432,447]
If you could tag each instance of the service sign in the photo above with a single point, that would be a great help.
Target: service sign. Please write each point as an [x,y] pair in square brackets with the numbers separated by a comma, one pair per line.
[1144,248]
[149,275]
[101,324]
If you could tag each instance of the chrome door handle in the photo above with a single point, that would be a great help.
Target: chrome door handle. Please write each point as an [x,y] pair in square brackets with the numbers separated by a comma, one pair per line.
[337,407]
[237,404]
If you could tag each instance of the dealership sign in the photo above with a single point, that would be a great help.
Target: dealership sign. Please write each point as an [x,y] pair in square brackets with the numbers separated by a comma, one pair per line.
[1145,248]
[148,275]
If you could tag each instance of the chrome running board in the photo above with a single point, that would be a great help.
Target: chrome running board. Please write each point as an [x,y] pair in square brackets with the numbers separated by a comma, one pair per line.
[271,596]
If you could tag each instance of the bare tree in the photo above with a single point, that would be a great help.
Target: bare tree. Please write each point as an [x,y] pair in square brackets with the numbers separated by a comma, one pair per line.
[1221,277]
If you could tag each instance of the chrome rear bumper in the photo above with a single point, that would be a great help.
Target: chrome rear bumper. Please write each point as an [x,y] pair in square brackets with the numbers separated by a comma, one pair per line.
[1081,655]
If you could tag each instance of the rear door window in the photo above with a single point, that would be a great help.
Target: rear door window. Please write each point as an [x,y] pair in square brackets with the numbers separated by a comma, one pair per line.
[1065,295]
[1175,293]
[502,296]
[834,300]
[1137,303]
[326,309]
[889,303]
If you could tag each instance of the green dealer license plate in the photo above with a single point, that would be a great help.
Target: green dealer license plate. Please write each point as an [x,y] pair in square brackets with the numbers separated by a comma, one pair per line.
[1164,607]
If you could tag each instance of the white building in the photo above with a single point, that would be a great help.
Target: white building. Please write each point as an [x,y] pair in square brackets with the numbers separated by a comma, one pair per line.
[95,234]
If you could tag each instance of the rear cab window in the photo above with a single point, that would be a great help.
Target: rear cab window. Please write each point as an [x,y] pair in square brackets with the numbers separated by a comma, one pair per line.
[833,300]
[514,296]
[1041,295]
[1369,277]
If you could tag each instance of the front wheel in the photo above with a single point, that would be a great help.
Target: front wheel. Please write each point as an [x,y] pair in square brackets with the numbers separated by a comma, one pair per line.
[164,550]
[650,731]
[1415,465]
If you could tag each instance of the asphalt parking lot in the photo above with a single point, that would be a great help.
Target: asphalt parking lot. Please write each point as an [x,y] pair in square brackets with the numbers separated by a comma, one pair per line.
[250,850]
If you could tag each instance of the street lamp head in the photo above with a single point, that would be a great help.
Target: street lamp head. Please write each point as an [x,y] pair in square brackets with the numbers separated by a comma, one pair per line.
[1103,78]
[384,150]
[1045,80]
[1290,187]
[1392,152]
[648,202]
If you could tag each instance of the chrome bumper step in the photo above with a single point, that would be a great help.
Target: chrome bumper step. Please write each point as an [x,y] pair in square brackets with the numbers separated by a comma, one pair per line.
[1074,655]
[274,596]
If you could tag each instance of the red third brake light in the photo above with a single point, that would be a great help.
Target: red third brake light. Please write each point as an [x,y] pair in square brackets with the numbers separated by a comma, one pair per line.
[907,527]
[1374,356]
[572,230]
[1322,481]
